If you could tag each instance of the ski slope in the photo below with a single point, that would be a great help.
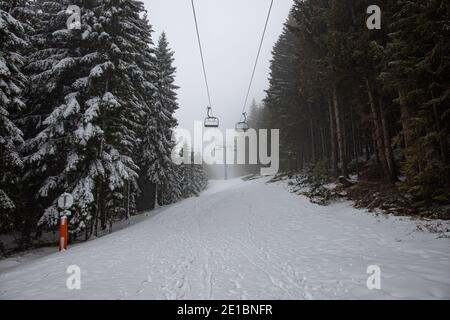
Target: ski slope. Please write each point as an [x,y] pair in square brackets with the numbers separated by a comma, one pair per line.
[245,240]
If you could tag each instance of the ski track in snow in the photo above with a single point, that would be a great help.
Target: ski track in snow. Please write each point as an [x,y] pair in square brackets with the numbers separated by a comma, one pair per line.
[245,240]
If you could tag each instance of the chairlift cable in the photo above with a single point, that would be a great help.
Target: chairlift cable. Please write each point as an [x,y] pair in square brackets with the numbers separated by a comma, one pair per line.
[257,58]
[201,54]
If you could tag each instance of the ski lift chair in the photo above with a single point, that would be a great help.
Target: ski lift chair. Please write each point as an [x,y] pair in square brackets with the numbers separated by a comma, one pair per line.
[210,121]
[242,126]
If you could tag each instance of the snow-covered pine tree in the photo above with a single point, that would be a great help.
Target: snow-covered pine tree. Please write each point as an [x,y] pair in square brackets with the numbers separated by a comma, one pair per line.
[166,96]
[193,177]
[157,144]
[86,124]
[172,190]
[125,38]
[283,92]
[146,60]
[12,82]
[23,11]
[253,120]
[199,176]
[53,112]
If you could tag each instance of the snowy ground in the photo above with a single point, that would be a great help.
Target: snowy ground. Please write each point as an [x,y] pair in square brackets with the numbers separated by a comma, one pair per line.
[245,240]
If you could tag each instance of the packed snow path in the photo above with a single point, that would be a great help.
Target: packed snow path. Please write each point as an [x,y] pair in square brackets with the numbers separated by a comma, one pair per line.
[245,240]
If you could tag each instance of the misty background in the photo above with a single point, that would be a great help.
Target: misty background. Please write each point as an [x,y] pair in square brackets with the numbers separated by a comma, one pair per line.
[230,32]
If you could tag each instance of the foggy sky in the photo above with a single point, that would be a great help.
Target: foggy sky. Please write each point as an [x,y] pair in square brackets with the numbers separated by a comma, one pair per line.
[230,31]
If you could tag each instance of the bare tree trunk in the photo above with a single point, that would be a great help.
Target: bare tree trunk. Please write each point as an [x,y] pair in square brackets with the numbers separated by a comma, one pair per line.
[333,159]
[156,196]
[313,147]
[377,130]
[128,200]
[322,141]
[340,134]
[374,151]
[404,118]
[358,138]
[387,144]
[98,211]
[300,157]
[355,144]
[367,148]
[442,144]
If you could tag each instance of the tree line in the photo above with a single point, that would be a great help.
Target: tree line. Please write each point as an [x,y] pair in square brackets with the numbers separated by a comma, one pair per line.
[87,110]
[375,103]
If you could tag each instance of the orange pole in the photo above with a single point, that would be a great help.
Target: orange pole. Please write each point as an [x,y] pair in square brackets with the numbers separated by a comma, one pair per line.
[63,234]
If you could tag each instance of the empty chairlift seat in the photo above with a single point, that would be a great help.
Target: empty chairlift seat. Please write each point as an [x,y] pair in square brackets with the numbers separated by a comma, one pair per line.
[210,121]
[242,126]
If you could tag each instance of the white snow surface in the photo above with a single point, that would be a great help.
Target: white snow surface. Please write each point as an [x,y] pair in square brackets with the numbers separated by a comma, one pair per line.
[245,240]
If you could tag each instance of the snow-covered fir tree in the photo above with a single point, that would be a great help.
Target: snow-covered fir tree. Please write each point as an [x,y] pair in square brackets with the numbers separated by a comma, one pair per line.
[194,179]
[123,35]
[87,110]
[51,69]
[157,144]
[199,177]
[87,116]
[192,176]
[12,83]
